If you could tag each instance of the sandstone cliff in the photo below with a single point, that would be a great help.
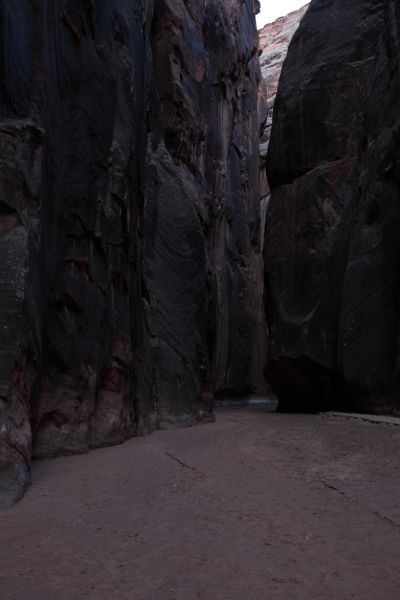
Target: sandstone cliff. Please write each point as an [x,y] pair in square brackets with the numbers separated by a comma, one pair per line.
[274,41]
[275,38]
[130,265]
[332,245]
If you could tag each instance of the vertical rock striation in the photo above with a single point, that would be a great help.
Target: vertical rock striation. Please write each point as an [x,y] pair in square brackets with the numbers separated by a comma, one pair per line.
[332,246]
[130,265]
[207,75]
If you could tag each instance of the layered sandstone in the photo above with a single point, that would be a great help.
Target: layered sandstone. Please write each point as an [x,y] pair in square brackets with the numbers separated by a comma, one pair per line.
[130,265]
[332,243]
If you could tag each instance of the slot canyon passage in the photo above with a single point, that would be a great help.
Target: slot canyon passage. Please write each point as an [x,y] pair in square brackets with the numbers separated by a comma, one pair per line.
[193,214]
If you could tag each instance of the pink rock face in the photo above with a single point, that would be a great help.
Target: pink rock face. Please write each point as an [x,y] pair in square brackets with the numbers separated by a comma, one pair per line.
[275,38]
[274,43]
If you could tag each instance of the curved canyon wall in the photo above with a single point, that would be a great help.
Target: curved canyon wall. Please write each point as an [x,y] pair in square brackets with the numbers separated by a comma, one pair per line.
[332,250]
[130,263]
[275,38]
[274,42]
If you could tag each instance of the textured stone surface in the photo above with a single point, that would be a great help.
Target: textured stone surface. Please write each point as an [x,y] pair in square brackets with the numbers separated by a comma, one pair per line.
[332,244]
[274,41]
[130,265]
[275,38]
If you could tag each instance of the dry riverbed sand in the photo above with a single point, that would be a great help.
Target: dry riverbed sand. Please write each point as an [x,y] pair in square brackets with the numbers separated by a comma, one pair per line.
[257,506]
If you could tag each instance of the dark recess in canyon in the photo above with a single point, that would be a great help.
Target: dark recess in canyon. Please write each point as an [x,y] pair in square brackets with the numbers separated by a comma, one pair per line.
[332,272]
[130,247]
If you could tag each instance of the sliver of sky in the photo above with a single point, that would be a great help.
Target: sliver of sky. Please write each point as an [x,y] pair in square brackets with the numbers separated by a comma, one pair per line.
[272,9]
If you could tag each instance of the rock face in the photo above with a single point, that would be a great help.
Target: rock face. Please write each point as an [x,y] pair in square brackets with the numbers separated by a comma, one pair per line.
[332,245]
[274,43]
[130,265]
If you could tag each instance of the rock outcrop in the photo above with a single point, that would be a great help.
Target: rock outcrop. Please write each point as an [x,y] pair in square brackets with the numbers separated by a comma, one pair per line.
[332,246]
[275,38]
[130,264]
[274,42]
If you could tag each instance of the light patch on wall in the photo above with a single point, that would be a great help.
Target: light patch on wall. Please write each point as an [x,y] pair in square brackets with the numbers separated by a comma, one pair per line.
[272,9]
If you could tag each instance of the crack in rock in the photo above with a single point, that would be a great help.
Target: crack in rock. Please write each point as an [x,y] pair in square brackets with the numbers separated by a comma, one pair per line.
[332,487]
[178,460]
[375,512]
[387,519]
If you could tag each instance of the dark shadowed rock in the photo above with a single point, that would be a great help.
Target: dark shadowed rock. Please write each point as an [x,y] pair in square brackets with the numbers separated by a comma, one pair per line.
[332,246]
[130,264]
[274,40]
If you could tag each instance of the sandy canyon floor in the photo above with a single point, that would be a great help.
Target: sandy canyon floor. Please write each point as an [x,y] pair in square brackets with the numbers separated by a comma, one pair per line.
[257,506]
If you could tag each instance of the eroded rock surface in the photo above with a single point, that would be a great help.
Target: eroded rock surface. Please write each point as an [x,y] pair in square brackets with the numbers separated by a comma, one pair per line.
[275,38]
[130,264]
[332,245]
[274,42]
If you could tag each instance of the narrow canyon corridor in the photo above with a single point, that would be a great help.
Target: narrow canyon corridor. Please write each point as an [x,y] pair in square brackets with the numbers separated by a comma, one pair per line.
[255,506]
[199,208]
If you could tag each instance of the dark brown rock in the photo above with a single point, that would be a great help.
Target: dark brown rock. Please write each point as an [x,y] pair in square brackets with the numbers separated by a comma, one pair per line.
[332,244]
[130,263]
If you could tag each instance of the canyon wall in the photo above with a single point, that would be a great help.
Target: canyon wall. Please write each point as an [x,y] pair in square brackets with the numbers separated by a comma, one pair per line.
[332,274]
[275,38]
[130,262]
[274,42]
